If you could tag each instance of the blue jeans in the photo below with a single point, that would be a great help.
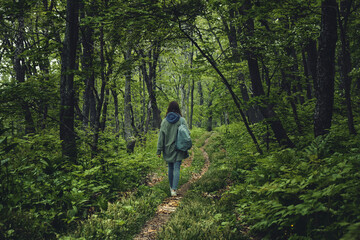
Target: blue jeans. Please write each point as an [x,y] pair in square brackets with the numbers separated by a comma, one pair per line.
[174,174]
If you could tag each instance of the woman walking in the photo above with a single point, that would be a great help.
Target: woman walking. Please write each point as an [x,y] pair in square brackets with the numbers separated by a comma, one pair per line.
[167,141]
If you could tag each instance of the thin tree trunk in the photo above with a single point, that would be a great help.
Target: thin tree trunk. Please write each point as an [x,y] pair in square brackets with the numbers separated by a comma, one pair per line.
[191,103]
[324,86]
[306,73]
[19,69]
[226,83]
[252,112]
[100,100]
[68,60]
[150,80]
[127,106]
[89,105]
[312,56]
[192,82]
[295,75]
[183,98]
[104,111]
[116,106]
[345,65]
[267,111]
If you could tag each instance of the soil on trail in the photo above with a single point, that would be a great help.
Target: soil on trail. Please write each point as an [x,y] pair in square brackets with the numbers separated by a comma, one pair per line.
[154,178]
[169,205]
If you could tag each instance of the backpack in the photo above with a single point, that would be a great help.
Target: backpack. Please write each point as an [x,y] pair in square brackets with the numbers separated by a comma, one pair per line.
[183,139]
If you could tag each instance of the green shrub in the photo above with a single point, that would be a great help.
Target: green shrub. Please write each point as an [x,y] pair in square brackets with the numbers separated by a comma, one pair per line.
[307,193]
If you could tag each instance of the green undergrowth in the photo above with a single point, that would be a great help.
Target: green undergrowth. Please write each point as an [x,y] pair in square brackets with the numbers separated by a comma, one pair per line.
[307,193]
[201,214]
[44,195]
[124,218]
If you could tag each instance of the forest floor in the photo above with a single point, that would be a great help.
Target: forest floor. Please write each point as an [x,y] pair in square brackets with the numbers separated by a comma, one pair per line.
[170,204]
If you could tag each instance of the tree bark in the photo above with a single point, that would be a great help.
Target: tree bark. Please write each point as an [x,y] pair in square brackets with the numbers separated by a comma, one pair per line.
[116,106]
[266,109]
[104,110]
[306,74]
[127,106]
[89,105]
[19,69]
[68,60]
[311,60]
[324,86]
[150,80]
[191,103]
[252,112]
[345,66]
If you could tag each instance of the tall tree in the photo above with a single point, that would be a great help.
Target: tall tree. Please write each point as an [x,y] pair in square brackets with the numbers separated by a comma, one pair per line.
[345,63]
[232,31]
[88,73]
[128,118]
[20,65]
[257,87]
[67,92]
[324,86]
[149,69]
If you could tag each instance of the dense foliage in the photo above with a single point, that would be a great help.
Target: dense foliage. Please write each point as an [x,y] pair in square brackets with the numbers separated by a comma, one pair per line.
[304,193]
[84,85]
[42,194]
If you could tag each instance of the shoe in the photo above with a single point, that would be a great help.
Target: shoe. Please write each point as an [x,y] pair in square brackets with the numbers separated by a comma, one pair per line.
[173,192]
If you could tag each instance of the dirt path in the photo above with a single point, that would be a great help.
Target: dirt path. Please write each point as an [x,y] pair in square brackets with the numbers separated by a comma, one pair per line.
[155,178]
[169,205]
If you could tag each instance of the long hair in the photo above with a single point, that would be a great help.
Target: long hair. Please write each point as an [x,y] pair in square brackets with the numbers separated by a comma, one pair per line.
[174,107]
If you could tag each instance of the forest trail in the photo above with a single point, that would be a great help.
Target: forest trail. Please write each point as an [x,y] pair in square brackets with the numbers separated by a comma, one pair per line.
[170,204]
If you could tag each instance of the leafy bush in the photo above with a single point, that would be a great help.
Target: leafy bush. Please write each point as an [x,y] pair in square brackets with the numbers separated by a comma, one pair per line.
[122,219]
[42,194]
[307,193]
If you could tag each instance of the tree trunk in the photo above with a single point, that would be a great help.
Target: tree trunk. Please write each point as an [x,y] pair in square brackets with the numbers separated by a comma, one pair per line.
[150,80]
[267,111]
[210,117]
[127,106]
[306,73]
[201,102]
[345,66]
[191,103]
[100,100]
[183,100]
[89,105]
[324,86]
[107,93]
[311,60]
[68,60]
[252,112]
[295,75]
[19,69]
[104,111]
[116,106]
